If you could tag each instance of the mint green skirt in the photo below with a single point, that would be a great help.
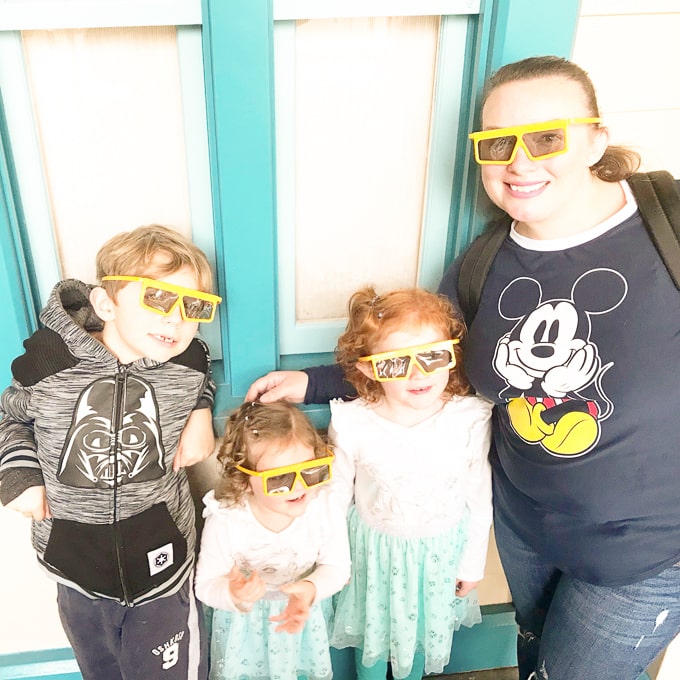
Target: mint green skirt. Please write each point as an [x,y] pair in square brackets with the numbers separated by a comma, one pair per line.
[401,598]
[246,646]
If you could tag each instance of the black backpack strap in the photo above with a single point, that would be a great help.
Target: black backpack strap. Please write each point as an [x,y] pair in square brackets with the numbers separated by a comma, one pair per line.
[658,199]
[475,266]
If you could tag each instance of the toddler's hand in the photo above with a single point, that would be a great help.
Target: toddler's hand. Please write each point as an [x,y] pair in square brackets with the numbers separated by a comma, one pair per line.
[295,615]
[465,587]
[245,590]
[197,441]
[32,503]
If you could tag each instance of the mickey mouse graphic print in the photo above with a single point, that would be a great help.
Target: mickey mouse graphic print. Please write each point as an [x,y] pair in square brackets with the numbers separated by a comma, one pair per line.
[552,368]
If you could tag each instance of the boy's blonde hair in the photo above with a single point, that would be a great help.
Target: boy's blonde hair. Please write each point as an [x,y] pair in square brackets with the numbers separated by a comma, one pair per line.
[154,251]
[372,317]
[253,424]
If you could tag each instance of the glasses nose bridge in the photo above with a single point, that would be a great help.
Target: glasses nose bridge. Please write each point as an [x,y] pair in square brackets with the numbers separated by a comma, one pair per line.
[176,310]
[416,364]
[520,145]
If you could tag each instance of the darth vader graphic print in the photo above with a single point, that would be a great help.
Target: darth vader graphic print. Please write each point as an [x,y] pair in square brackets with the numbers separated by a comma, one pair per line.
[551,367]
[115,437]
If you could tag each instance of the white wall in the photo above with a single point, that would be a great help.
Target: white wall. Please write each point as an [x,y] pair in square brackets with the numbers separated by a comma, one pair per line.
[631,48]
[26,592]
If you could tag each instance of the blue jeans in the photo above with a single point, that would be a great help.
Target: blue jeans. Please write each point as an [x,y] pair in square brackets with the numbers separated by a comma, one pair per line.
[573,630]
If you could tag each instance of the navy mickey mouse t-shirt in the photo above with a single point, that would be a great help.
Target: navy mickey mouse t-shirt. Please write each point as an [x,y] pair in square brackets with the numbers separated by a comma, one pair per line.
[578,345]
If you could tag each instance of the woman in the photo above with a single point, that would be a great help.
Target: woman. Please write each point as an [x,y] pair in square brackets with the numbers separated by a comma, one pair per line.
[576,340]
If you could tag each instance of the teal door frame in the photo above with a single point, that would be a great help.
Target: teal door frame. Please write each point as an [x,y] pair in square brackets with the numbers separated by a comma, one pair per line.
[238,54]
[20,315]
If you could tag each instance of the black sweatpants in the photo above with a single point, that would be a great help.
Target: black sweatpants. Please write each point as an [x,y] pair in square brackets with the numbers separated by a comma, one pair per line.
[160,640]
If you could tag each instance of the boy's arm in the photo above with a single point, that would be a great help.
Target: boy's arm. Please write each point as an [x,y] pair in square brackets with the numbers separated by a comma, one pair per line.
[207,399]
[197,441]
[21,479]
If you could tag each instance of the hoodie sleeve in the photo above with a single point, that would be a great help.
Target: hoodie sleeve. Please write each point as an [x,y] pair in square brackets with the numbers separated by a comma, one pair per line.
[45,354]
[19,466]
[197,357]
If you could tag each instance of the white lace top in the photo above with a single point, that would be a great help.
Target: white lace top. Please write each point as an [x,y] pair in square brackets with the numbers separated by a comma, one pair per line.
[418,481]
[314,547]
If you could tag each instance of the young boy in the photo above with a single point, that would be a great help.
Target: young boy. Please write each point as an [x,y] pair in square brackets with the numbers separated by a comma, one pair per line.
[109,402]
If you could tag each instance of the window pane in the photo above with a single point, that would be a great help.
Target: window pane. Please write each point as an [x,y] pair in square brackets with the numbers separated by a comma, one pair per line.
[108,109]
[363,102]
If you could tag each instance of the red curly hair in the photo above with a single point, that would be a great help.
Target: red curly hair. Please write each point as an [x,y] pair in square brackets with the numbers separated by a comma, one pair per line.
[372,317]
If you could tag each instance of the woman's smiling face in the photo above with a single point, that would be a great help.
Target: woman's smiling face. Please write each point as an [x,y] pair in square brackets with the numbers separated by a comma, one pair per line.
[542,192]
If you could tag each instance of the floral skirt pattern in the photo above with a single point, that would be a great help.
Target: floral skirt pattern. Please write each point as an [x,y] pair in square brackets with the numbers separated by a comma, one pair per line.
[401,599]
[247,646]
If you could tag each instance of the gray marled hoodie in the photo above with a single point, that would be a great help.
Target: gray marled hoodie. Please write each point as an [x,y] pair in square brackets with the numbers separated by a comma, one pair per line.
[101,437]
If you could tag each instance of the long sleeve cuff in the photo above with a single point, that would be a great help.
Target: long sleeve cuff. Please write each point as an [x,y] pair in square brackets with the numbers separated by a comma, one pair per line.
[16,480]
[328,580]
[326,383]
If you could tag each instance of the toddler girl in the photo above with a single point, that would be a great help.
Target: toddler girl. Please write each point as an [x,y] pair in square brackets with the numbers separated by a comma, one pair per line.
[274,547]
[413,451]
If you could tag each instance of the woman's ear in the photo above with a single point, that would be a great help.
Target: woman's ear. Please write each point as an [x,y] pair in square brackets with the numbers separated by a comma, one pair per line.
[366,368]
[600,144]
[103,305]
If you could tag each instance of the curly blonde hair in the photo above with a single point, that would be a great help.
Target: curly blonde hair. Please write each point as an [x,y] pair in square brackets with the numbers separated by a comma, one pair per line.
[278,424]
[372,317]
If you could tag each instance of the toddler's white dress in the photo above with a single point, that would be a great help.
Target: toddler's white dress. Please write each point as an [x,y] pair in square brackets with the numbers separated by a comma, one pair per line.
[314,547]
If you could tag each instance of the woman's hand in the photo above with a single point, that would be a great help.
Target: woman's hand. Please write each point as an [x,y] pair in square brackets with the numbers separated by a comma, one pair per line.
[279,386]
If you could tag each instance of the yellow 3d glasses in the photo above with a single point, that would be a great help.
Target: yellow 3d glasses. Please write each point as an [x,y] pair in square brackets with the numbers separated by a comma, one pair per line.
[398,364]
[282,480]
[162,298]
[539,141]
